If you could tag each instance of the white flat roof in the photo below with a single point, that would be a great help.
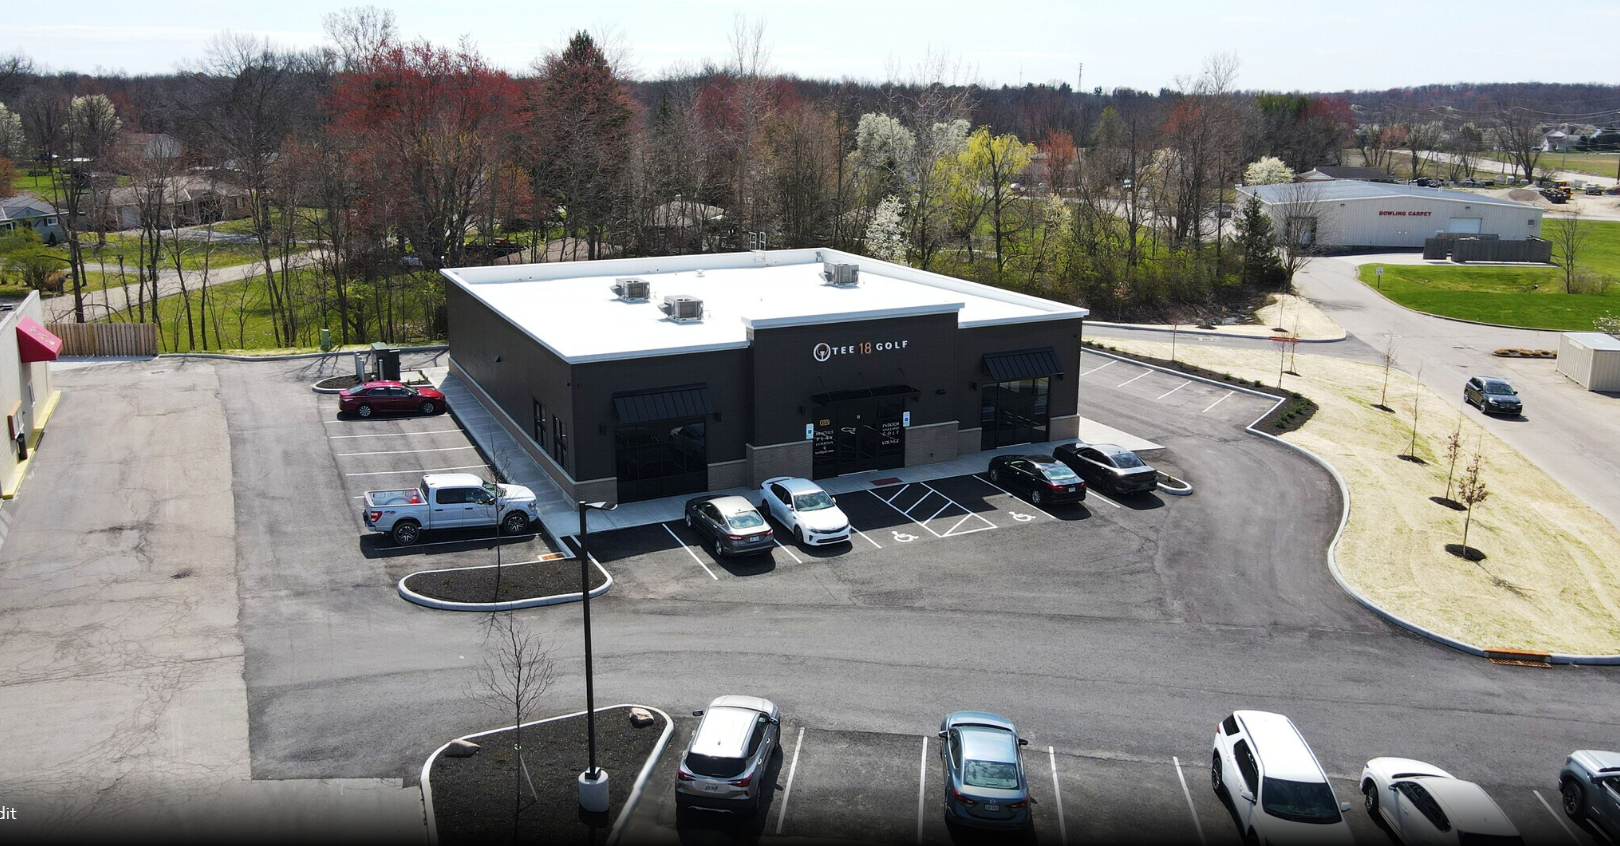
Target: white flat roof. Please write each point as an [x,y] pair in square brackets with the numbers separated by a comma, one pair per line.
[570,308]
[1594,340]
[1347,189]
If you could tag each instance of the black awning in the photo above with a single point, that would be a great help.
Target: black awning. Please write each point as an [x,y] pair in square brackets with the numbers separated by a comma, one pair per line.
[668,404]
[1022,364]
[862,393]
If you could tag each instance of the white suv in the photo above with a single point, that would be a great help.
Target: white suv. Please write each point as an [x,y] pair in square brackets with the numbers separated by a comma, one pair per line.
[804,509]
[724,765]
[1265,770]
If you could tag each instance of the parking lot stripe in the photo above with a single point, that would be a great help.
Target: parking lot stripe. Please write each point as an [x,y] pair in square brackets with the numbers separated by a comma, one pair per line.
[1218,402]
[787,789]
[1098,496]
[957,524]
[1009,493]
[1561,823]
[1134,378]
[904,514]
[1099,367]
[895,496]
[1173,390]
[439,470]
[1188,793]
[922,788]
[689,551]
[404,451]
[392,434]
[863,534]
[1057,796]
[788,551]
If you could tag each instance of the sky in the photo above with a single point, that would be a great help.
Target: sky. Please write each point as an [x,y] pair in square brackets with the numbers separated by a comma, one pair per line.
[1287,45]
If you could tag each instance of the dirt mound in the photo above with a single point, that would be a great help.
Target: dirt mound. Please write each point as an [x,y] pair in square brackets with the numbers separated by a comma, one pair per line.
[1524,195]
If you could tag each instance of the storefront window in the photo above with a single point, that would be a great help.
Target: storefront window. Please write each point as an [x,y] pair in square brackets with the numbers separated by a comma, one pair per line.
[1014,412]
[661,458]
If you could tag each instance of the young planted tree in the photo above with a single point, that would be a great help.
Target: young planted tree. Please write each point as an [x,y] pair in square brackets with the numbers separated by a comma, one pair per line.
[1471,491]
[1568,233]
[517,671]
[1389,360]
[1417,402]
[1453,450]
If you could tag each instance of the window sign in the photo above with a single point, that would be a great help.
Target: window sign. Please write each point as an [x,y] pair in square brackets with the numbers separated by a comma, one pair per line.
[809,431]
[905,419]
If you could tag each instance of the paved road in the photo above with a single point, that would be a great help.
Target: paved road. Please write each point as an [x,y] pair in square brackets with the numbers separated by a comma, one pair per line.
[99,303]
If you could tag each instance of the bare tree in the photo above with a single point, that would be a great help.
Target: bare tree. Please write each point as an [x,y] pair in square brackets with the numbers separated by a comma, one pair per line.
[1569,233]
[1417,402]
[1518,131]
[513,677]
[1453,450]
[1471,491]
[92,128]
[359,32]
[1389,359]
[1301,217]
[750,64]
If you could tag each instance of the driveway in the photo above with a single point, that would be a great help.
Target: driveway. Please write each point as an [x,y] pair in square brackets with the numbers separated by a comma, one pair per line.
[100,302]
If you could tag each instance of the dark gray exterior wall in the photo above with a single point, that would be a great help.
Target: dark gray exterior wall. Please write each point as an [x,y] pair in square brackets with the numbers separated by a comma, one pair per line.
[1063,336]
[725,372]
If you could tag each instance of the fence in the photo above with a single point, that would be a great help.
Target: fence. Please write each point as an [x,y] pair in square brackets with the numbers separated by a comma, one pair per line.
[132,339]
[1465,248]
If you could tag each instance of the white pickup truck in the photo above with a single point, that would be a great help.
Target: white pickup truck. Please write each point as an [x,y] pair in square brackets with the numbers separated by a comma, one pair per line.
[449,501]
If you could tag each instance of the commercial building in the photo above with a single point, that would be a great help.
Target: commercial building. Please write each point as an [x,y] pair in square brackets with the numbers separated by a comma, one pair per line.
[1352,214]
[26,347]
[634,379]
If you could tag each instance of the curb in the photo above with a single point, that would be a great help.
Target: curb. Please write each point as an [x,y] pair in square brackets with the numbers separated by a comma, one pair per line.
[1142,327]
[1186,491]
[293,356]
[1344,519]
[510,605]
[629,802]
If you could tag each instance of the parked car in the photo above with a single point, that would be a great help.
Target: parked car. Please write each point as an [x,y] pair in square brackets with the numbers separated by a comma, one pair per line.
[1492,395]
[449,501]
[1108,467]
[1265,770]
[1041,478]
[729,525]
[1590,787]
[723,768]
[1422,803]
[371,397]
[803,508]
[984,771]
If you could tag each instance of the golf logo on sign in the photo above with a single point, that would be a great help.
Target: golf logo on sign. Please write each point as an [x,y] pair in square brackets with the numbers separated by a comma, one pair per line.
[822,352]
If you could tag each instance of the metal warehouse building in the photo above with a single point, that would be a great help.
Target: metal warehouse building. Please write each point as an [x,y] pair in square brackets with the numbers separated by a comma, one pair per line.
[642,378]
[1353,214]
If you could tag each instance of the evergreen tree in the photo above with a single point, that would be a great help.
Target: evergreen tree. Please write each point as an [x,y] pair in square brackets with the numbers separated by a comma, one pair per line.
[1258,245]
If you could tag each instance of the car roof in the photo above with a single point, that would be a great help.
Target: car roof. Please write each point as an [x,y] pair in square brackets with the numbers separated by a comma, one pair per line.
[730,504]
[982,743]
[1109,449]
[383,383]
[1278,743]
[453,480]
[1493,379]
[985,718]
[794,484]
[1038,459]
[1468,806]
[764,706]
[724,732]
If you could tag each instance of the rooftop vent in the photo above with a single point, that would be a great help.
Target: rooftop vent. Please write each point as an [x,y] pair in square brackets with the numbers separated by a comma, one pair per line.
[682,308]
[841,275]
[632,290]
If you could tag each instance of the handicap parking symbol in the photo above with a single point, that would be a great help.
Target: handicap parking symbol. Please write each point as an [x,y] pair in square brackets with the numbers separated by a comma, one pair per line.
[1022,518]
[903,537]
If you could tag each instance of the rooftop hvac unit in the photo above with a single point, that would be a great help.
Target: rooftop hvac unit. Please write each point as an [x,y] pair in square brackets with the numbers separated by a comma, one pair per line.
[682,309]
[632,290]
[841,275]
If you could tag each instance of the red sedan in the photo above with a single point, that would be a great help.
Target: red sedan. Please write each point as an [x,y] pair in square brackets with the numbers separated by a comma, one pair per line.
[371,397]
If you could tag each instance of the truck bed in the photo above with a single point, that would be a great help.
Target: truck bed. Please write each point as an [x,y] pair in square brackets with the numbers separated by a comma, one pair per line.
[403,496]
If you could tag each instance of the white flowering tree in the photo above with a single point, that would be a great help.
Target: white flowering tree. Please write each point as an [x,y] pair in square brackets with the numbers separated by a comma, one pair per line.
[1269,170]
[886,234]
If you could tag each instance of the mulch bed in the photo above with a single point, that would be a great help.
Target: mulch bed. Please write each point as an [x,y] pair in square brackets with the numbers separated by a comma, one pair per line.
[474,798]
[517,581]
[337,382]
[1283,419]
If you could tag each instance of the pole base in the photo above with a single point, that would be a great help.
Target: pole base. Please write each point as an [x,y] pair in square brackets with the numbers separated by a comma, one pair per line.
[593,793]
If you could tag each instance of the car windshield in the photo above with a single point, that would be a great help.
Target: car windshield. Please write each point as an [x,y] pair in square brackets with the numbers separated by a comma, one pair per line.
[1127,460]
[998,775]
[817,501]
[1299,801]
[1500,389]
[713,766]
[745,520]
[493,489]
[1058,474]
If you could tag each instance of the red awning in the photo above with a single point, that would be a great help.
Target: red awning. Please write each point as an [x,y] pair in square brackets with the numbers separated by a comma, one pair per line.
[35,342]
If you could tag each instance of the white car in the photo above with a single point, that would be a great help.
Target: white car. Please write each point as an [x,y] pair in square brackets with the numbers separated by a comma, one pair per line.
[803,508]
[1274,783]
[1422,804]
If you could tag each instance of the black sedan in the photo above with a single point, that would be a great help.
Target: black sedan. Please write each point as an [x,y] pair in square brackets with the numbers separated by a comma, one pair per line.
[1492,395]
[1108,467]
[729,525]
[1042,479]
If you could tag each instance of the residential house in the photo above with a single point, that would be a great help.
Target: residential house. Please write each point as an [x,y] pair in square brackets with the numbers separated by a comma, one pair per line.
[30,211]
[188,200]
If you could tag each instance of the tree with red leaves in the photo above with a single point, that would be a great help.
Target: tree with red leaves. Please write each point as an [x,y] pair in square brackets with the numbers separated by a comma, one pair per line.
[431,124]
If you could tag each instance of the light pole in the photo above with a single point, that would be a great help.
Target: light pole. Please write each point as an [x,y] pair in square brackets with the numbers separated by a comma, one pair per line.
[593,783]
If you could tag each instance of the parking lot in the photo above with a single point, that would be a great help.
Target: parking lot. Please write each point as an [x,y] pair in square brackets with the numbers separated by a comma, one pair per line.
[877,787]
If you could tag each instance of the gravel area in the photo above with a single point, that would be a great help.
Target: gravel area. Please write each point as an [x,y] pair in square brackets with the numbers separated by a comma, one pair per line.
[475,799]
[504,584]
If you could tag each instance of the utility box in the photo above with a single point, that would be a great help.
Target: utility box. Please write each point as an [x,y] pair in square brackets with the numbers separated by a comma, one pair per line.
[1592,359]
[387,361]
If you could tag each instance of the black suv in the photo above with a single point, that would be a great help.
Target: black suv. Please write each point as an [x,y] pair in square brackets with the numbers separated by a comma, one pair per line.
[1492,395]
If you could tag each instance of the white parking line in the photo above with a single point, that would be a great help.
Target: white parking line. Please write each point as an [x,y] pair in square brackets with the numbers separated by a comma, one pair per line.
[689,551]
[1009,493]
[423,472]
[1099,367]
[1561,823]
[787,789]
[1057,796]
[1188,793]
[392,434]
[922,788]
[1134,378]
[1090,494]
[896,495]
[404,451]
[785,549]
[1173,390]
[863,534]
[1218,402]
[949,502]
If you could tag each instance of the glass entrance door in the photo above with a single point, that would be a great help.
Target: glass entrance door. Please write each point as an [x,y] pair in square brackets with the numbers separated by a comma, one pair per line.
[857,435]
[1014,412]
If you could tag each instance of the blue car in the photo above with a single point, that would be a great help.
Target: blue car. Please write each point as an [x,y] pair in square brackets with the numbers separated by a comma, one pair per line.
[984,771]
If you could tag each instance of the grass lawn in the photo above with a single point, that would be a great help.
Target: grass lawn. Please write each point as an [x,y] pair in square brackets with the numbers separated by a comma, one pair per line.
[39,186]
[1531,297]
[191,257]
[1597,164]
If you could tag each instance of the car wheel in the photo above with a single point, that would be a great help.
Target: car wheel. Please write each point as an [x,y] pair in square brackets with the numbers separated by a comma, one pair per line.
[363,411]
[719,551]
[1035,497]
[1215,780]
[1574,798]
[995,475]
[1369,795]
[798,535]
[428,407]
[516,523]
[406,533]
[1252,840]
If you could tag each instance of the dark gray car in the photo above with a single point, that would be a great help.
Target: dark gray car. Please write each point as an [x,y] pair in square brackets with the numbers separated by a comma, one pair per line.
[1492,395]
[984,771]
[1108,467]
[1590,787]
